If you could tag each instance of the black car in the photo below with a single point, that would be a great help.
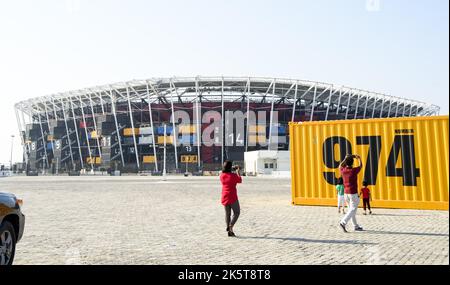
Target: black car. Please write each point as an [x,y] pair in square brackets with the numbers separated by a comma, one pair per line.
[12,223]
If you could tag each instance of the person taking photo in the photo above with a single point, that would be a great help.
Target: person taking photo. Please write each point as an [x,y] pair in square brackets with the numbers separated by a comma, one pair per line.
[350,176]
[229,178]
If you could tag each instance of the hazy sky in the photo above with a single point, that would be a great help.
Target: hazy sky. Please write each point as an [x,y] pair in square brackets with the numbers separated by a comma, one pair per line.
[398,47]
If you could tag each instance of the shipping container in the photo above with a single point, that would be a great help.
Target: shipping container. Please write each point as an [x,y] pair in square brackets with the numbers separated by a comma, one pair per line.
[187,129]
[128,141]
[405,160]
[169,140]
[94,160]
[282,130]
[160,130]
[187,140]
[49,146]
[146,131]
[93,135]
[129,132]
[261,139]
[146,140]
[257,129]
[149,159]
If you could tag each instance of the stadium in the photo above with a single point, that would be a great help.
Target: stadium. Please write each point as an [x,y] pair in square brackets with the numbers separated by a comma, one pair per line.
[131,126]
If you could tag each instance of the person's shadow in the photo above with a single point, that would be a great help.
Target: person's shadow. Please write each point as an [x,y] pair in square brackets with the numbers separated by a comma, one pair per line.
[354,242]
[406,233]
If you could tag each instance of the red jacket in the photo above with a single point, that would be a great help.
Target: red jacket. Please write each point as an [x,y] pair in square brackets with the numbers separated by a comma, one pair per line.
[229,191]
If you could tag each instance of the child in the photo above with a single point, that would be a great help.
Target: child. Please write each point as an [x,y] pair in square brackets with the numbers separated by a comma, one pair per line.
[367,198]
[340,194]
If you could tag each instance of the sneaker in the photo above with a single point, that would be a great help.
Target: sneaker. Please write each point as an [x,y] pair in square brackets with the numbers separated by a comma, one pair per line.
[370,212]
[364,213]
[343,227]
[359,229]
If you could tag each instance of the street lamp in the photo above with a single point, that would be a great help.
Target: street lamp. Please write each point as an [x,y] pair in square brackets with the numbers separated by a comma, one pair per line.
[12,144]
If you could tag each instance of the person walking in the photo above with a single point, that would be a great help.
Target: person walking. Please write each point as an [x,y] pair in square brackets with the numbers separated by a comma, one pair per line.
[229,178]
[340,195]
[367,198]
[350,177]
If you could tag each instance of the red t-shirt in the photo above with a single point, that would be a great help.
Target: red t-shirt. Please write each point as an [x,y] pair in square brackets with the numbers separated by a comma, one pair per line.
[350,177]
[365,193]
[229,191]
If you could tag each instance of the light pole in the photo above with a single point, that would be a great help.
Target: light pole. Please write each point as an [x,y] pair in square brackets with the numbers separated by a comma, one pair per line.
[12,144]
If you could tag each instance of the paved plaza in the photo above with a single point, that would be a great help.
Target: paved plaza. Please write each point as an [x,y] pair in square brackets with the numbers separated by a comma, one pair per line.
[145,220]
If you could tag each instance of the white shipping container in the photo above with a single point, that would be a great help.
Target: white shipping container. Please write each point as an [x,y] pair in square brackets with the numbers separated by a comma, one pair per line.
[146,140]
[145,131]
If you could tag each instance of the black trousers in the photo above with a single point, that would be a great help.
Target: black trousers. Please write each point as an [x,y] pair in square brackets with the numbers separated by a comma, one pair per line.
[366,202]
[236,212]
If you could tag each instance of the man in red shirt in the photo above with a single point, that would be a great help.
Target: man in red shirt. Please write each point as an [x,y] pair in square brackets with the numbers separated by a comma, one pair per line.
[350,176]
[230,199]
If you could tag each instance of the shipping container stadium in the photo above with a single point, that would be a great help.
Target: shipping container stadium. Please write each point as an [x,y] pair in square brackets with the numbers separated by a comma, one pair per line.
[130,126]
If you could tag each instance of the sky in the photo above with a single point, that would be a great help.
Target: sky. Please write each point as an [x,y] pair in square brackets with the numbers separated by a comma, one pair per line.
[396,47]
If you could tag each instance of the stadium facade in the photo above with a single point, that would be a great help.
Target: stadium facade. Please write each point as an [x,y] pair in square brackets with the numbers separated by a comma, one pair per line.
[132,126]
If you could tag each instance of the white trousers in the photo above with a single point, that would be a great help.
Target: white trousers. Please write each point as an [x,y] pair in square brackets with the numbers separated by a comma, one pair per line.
[352,203]
[341,201]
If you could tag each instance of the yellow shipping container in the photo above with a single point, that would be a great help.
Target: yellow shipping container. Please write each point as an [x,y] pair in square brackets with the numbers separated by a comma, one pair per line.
[257,139]
[94,160]
[129,132]
[257,129]
[169,140]
[149,159]
[405,160]
[187,129]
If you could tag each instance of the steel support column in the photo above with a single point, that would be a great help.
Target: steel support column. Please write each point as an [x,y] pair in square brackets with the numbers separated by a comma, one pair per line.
[295,102]
[21,130]
[86,133]
[95,128]
[68,134]
[151,125]
[133,129]
[313,103]
[271,114]
[173,126]
[248,116]
[76,132]
[119,138]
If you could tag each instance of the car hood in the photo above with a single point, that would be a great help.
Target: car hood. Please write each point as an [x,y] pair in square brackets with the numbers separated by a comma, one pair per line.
[7,195]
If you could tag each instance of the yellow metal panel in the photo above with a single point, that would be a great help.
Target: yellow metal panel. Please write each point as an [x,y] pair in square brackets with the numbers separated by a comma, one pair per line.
[94,160]
[405,160]
[149,159]
[129,132]
[261,139]
[169,140]
[189,159]
[257,129]
[187,129]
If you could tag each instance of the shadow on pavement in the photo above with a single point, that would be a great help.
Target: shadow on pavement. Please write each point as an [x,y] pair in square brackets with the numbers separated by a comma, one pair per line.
[397,215]
[406,233]
[311,240]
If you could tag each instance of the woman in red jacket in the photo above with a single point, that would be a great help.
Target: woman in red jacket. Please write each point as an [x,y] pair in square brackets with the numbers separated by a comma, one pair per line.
[229,195]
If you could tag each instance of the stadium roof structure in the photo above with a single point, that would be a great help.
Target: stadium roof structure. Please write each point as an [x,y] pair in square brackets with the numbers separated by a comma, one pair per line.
[274,91]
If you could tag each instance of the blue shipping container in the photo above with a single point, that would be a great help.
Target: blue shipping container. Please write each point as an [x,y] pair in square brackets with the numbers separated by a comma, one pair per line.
[160,130]
[187,140]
